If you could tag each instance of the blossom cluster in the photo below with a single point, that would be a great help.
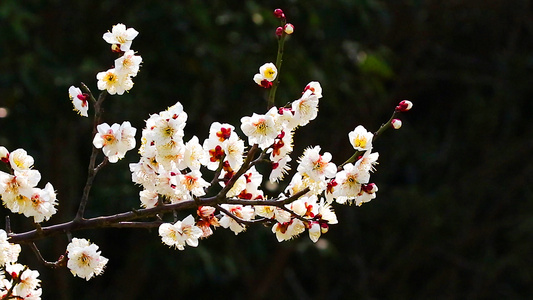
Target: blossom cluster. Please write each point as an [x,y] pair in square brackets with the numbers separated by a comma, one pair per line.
[116,80]
[18,188]
[169,171]
[24,283]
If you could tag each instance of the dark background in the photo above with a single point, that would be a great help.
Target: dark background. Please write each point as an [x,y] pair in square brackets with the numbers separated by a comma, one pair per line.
[454,214]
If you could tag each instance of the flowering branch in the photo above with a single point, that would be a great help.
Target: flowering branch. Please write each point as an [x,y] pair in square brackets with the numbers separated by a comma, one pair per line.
[170,171]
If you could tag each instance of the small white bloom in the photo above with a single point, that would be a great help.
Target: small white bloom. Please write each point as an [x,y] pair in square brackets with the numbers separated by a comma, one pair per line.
[84,259]
[288,230]
[245,213]
[193,155]
[121,36]
[306,108]
[43,204]
[315,166]
[315,88]
[9,252]
[115,140]
[29,281]
[180,233]
[261,129]
[128,63]
[360,138]
[79,100]
[20,160]
[148,198]
[114,82]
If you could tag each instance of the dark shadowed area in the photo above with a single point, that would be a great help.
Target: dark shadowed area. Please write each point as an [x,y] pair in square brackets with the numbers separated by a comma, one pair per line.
[453,218]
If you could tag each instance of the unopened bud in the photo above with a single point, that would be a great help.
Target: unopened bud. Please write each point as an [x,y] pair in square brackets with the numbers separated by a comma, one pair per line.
[278,13]
[289,28]
[279,31]
[396,123]
[404,105]
[324,228]
[116,48]
[4,154]
[369,188]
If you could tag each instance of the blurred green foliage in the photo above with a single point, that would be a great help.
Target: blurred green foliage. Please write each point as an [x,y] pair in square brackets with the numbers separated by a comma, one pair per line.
[454,215]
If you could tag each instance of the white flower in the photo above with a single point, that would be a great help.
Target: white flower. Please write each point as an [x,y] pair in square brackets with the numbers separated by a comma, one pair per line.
[114,82]
[28,287]
[194,183]
[261,129]
[16,190]
[315,166]
[234,150]
[306,108]
[288,230]
[115,140]
[84,259]
[267,73]
[79,100]
[4,154]
[180,233]
[121,36]
[221,132]
[43,204]
[280,168]
[148,198]
[194,153]
[20,160]
[9,253]
[245,213]
[128,63]
[360,138]
[315,88]
[349,182]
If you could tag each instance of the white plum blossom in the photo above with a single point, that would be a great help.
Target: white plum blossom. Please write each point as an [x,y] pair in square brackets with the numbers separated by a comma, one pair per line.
[316,166]
[180,233]
[20,160]
[315,88]
[194,183]
[360,138]
[28,286]
[306,108]
[267,73]
[84,259]
[261,129]
[148,198]
[280,168]
[114,82]
[288,230]
[115,140]
[43,202]
[79,100]
[9,252]
[121,36]
[128,63]
[234,150]
[245,213]
[193,154]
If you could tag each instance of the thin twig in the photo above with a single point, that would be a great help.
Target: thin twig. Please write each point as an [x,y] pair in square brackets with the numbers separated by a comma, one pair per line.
[91,173]
[54,265]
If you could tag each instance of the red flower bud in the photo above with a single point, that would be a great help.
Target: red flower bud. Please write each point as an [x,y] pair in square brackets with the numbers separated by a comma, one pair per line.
[404,105]
[279,31]
[278,13]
